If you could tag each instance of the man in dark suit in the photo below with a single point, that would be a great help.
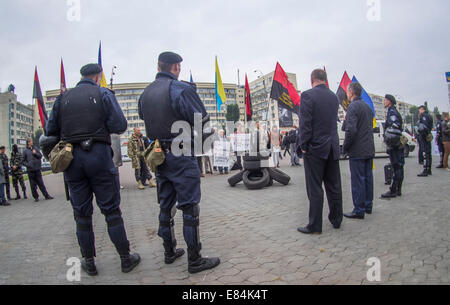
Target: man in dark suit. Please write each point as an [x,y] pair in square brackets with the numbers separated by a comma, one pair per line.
[360,147]
[319,142]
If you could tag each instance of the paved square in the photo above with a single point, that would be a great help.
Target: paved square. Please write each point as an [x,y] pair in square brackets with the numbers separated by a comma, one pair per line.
[253,232]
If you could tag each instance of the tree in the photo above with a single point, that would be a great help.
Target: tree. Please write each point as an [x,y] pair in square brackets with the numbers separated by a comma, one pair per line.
[233,114]
[415,114]
[37,136]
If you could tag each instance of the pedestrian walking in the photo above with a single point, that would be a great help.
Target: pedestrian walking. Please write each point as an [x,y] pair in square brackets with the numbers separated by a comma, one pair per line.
[319,142]
[3,201]
[439,140]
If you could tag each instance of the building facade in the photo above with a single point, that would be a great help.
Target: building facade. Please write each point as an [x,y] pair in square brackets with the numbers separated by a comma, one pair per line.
[128,97]
[16,121]
[264,108]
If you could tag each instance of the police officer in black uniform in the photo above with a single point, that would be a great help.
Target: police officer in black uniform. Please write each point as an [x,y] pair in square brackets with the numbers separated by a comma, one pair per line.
[439,142]
[163,103]
[425,128]
[396,152]
[85,117]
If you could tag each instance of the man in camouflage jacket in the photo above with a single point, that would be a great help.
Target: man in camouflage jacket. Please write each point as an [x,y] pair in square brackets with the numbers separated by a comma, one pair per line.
[136,148]
[17,173]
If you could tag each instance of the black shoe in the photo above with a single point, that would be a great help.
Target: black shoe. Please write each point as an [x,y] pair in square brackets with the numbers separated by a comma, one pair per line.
[49,198]
[196,263]
[36,200]
[18,197]
[353,215]
[440,166]
[307,231]
[172,257]
[423,174]
[5,204]
[88,265]
[389,195]
[129,262]
[337,227]
[369,212]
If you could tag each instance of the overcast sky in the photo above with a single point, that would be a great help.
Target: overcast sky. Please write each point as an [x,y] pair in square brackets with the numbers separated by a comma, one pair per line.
[406,53]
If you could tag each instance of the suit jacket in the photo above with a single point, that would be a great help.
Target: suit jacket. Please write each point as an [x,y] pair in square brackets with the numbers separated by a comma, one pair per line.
[358,127]
[318,132]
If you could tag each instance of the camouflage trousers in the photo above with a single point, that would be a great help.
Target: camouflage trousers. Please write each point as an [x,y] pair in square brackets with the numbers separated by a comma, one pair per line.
[16,179]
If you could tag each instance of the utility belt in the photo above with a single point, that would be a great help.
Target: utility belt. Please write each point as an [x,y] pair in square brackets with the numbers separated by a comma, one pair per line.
[86,145]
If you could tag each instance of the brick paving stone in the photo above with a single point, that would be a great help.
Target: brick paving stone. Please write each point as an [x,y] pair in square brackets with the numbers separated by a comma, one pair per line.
[253,232]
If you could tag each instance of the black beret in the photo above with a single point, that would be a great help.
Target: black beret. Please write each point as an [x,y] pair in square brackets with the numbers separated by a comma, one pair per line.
[91,69]
[170,58]
[391,99]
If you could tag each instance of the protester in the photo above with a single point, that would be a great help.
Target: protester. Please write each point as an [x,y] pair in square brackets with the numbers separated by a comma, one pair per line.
[17,173]
[32,160]
[136,147]
[439,141]
[293,146]
[5,164]
[359,145]
[425,127]
[446,139]
[225,153]
[275,139]
[319,142]
[3,201]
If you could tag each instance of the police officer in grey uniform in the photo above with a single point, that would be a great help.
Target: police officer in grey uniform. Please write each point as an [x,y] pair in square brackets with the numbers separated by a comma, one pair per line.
[163,103]
[85,117]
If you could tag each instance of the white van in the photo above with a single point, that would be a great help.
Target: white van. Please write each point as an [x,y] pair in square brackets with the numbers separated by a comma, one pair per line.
[380,146]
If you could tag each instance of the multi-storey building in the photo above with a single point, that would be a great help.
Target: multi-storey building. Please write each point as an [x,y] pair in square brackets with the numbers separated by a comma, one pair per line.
[128,97]
[264,108]
[16,121]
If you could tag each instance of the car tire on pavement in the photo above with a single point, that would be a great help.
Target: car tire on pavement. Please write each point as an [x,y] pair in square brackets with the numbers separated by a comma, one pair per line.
[279,176]
[252,180]
[233,181]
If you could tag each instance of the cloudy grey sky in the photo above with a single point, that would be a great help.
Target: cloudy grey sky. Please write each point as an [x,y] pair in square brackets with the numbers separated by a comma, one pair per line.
[406,53]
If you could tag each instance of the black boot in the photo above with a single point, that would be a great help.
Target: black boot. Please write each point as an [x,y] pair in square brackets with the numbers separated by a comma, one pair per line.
[392,193]
[129,262]
[399,189]
[198,264]
[429,171]
[88,265]
[171,253]
[424,173]
[25,195]
[16,188]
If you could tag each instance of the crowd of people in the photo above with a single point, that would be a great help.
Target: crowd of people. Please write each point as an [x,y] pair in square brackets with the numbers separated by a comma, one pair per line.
[92,129]
[31,160]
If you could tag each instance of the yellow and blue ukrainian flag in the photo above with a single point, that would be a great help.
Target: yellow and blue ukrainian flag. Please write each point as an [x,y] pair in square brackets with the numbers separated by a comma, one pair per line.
[103,81]
[221,98]
[366,98]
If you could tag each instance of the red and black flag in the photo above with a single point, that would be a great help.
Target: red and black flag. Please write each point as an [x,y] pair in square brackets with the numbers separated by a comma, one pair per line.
[328,85]
[37,94]
[63,86]
[248,100]
[284,91]
[342,91]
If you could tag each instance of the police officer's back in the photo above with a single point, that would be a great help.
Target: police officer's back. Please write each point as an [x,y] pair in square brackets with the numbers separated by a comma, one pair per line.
[85,117]
[163,103]
[424,129]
